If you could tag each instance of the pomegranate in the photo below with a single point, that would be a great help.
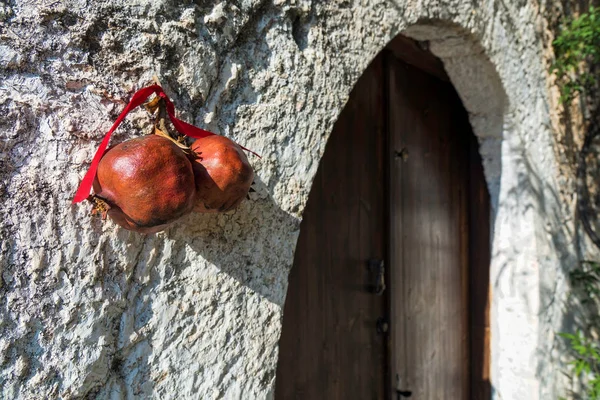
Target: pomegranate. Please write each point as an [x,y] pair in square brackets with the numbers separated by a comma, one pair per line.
[144,184]
[222,173]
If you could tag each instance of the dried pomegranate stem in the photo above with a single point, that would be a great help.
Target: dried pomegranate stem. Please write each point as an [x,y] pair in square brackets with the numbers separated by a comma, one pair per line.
[161,118]
[161,128]
[100,206]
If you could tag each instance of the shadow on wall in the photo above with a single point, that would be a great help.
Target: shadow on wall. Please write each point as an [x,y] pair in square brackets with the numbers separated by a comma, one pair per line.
[180,300]
[251,244]
[581,305]
[582,317]
[178,290]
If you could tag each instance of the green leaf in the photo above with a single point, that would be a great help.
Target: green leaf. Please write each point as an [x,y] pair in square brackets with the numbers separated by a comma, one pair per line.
[566,335]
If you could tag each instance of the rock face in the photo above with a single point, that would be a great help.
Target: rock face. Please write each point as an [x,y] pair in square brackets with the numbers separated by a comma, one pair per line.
[88,309]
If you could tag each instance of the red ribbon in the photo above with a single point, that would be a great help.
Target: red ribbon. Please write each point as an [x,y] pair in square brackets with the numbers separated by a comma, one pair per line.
[138,99]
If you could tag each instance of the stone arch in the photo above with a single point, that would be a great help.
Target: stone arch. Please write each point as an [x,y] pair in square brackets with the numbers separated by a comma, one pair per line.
[478,84]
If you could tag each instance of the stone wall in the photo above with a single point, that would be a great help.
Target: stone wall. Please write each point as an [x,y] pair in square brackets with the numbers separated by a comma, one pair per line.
[88,309]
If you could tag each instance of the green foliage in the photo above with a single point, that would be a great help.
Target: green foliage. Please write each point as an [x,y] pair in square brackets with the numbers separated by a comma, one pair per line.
[577,44]
[587,278]
[585,349]
[587,361]
[577,50]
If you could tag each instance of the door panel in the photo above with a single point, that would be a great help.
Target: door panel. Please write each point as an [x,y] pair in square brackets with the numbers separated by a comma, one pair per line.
[428,236]
[329,348]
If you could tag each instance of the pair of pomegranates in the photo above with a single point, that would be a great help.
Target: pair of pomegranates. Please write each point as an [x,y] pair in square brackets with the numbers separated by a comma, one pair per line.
[145,184]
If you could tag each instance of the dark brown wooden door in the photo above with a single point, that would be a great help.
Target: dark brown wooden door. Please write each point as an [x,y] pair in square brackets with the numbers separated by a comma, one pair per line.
[428,236]
[328,349]
[400,181]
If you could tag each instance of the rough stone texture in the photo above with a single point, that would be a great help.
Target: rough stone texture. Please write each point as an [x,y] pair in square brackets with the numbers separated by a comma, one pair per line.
[90,310]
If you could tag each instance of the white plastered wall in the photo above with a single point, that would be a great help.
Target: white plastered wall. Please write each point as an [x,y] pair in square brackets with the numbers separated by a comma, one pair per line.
[88,309]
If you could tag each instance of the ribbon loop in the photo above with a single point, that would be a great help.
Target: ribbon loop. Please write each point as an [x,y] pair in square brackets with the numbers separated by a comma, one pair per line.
[137,99]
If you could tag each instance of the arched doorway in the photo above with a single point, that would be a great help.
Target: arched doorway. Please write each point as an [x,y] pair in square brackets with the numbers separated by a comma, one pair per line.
[388,295]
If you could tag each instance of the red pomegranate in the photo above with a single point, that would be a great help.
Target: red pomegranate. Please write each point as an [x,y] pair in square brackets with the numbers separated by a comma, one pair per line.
[222,173]
[147,183]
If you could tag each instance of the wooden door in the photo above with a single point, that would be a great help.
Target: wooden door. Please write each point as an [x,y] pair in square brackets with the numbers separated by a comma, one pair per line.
[400,181]
[428,236]
[329,348]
